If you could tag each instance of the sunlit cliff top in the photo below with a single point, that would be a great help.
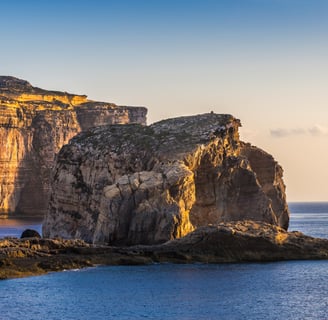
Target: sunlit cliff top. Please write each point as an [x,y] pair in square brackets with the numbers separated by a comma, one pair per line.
[23,91]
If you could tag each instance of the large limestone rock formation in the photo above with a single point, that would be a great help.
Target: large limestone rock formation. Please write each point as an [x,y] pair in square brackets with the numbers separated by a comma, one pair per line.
[34,125]
[135,184]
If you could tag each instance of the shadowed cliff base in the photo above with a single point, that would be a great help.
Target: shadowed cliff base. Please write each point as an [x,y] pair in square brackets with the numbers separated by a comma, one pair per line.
[244,241]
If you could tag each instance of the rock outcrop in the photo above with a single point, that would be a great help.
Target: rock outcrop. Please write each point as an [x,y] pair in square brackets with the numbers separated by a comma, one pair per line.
[240,241]
[34,125]
[30,233]
[135,184]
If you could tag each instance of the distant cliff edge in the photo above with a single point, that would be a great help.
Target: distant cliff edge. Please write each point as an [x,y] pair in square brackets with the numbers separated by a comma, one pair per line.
[133,184]
[34,125]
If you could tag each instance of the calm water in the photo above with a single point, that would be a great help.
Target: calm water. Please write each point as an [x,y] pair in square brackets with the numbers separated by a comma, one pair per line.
[14,227]
[282,290]
[310,218]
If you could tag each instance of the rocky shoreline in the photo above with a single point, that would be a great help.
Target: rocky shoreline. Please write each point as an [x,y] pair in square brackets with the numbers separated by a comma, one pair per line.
[243,241]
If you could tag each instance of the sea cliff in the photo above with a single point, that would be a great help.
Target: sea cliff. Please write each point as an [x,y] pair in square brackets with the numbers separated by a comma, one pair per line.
[34,125]
[133,184]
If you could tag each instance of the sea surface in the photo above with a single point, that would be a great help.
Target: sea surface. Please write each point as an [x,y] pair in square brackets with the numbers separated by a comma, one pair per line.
[280,290]
[14,227]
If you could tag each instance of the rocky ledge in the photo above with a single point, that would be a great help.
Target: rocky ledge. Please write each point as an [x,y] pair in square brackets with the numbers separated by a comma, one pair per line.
[240,241]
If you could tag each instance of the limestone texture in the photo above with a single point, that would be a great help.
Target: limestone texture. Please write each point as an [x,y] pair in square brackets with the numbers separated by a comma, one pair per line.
[134,184]
[34,125]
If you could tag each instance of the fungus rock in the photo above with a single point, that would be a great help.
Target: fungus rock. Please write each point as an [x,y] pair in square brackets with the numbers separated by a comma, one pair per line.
[136,184]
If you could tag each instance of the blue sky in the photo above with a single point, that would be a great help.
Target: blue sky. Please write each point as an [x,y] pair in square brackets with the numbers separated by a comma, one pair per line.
[264,61]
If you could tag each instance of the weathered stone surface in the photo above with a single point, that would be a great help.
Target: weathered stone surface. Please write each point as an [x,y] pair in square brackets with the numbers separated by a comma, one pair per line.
[238,241]
[134,184]
[269,174]
[34,125]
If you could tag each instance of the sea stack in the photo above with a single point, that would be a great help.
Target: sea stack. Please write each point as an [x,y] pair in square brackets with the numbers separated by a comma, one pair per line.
[134,184]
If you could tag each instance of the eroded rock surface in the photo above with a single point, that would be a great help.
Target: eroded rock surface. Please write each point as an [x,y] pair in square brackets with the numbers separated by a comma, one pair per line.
[34,125]
[238,241]
[135,184]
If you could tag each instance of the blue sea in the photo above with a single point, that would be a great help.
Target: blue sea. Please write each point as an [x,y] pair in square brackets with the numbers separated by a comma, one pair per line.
[280,290]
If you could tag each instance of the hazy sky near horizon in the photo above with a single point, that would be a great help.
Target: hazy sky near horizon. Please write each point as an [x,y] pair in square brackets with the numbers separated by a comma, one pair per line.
[263,61]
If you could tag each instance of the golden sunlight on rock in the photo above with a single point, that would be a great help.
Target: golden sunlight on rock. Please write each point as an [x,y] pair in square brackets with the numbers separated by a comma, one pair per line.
[138,184]
[34,125]
[281,238]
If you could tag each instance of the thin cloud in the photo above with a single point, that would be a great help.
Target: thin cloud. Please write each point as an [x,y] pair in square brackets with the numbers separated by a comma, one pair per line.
[298,131]
[280,133]
[316,130]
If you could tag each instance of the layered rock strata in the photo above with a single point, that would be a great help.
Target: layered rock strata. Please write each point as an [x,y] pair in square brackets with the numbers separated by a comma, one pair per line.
[34,125]
[135,184]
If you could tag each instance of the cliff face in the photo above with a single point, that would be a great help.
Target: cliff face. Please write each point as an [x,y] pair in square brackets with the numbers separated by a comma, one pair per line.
[134,184]
[34,125]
